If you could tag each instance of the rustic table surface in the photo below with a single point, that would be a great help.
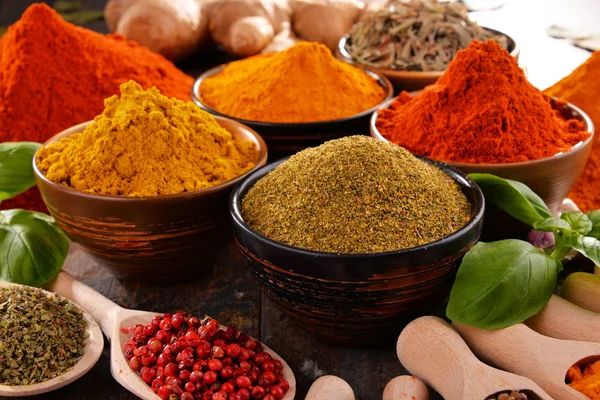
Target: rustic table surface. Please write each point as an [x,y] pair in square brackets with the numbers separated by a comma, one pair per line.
[230,294]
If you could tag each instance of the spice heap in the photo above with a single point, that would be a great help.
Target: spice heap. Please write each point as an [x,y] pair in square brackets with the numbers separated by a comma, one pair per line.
[41,336]
[145,144]
[415,35]
[302,84]
[482,110]
[56,75]
[581,88]
[181,357]
[355,195]
[585,380]
[510,396]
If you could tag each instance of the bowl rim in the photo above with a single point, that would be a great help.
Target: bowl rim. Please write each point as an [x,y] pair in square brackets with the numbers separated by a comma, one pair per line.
[576,148]
[346,57]
[196,95]
[462,179]
[261,150]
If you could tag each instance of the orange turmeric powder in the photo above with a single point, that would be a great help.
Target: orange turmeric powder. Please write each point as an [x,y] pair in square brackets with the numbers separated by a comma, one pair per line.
[586,381]
[302,84]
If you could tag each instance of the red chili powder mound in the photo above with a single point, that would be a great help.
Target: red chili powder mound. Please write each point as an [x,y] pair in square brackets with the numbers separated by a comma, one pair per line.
[54,75]
[482,110]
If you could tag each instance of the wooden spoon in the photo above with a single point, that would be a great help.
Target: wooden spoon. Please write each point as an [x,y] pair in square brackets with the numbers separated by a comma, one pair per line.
[405,387]
[112,317]
[330,387]
[562,319]
[523,351]
[435,353]
[93,349]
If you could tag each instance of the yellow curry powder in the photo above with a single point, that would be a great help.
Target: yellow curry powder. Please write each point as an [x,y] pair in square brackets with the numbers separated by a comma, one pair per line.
[586,381]
[146,144]
[304,83]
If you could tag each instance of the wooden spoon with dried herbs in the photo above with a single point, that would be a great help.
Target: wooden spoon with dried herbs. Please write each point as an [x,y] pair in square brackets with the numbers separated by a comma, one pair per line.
[46,341]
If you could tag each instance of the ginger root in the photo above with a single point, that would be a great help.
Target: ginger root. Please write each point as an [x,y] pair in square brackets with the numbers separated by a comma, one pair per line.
[324,21]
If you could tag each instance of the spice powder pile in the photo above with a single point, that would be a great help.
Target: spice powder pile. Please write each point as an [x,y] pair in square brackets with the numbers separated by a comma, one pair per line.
[581,88]
[145,144]
[355,195]
[304,83]
[482,110]
[41,336]
[54,75]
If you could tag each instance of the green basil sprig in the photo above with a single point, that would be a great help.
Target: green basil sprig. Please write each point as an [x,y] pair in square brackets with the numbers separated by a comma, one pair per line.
[503,283]
[32,247]
[16,168]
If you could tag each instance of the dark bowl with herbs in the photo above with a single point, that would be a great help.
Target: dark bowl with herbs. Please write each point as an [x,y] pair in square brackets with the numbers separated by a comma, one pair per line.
[148,239]
[288,138]
[355,298]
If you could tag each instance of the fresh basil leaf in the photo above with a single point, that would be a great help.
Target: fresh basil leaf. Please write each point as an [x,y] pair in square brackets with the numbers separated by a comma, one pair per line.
[84,16]
[32,247]
[67,6]
[513,197]
[552,225]
[502,283]
[16,168]
[579,221]
[594,216]
[586,245]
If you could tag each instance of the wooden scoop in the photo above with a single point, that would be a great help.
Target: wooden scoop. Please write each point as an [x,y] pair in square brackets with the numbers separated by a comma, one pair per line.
[523,351]
[562,319]
[112,317]
[405,387]
[330,387]
[93,349]
[432,351]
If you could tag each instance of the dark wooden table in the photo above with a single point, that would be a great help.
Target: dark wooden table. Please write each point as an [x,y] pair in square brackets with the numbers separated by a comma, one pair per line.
[230,294]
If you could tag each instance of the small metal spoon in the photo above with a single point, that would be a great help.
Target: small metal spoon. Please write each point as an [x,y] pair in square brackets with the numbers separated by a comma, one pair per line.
[112,317]
[93,349]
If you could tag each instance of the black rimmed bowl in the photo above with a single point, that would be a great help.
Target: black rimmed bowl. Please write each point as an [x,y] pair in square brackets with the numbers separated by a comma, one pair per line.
[356,299]
[149,239]
[412,80]
[551,178]
[288,138]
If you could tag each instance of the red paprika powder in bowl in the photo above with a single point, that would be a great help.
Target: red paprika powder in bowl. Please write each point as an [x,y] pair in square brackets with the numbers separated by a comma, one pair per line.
[484,116]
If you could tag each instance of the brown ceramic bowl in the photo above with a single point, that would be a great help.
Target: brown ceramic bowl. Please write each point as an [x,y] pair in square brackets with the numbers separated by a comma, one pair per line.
[287,138]
[552,178]
[356,299]
[151,239]
[411,80]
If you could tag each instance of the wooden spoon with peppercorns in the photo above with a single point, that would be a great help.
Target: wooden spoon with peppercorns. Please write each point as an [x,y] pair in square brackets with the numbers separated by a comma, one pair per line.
[521,350]
[93,350]
[435,353]
[114,321]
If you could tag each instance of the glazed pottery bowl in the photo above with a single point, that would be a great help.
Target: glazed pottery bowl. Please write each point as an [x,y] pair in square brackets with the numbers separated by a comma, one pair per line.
[411,80]
[552,178]
[288,138]
[356,298]
[151,239]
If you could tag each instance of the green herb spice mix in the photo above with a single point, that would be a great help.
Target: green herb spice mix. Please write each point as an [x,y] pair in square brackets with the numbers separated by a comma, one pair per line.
[355,195]
[41,337]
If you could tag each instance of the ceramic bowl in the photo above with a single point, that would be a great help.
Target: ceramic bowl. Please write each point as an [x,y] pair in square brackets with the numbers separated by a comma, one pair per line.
[356,299]
[411,80]
[150,239]
[288,138]
[552,178]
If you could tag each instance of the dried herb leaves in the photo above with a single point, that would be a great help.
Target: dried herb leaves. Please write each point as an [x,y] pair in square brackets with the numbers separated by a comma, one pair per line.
[355,195]
[41,337]
[415,35]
